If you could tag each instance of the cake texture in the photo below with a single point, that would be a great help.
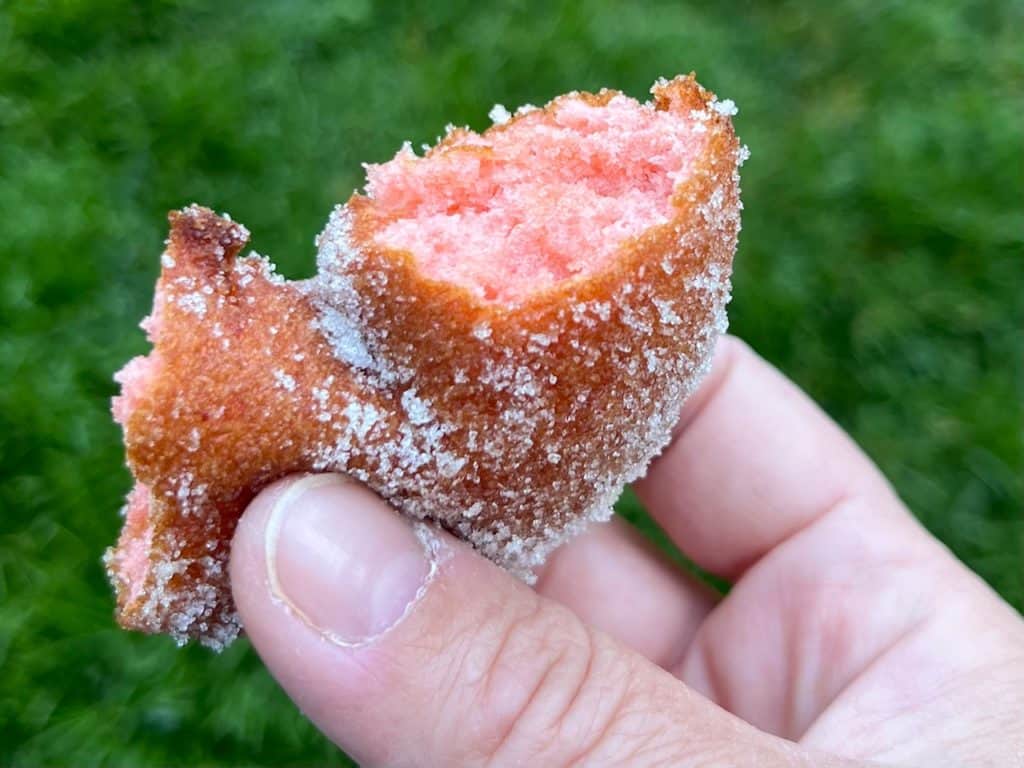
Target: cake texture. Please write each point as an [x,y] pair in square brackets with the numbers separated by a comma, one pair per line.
[499,336]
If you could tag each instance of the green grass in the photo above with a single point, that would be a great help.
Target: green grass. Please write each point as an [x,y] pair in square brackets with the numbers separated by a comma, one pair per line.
[880,266]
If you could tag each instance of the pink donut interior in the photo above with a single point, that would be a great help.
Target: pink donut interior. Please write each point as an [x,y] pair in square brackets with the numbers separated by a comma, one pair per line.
[549,196]
[135,541]
[130,559]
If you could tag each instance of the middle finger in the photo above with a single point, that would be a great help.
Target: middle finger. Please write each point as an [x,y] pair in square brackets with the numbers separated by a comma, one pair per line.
[615,580]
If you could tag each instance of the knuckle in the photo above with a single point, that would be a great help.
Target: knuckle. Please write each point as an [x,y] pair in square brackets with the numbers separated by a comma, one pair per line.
[549,690]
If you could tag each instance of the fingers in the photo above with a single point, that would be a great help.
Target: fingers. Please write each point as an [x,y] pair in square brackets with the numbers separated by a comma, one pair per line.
[838,579]
[614,580]
[754,460]
[406,648]
[811,617]
[846,634]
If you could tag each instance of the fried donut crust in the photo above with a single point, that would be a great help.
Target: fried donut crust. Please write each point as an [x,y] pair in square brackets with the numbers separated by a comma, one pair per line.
[512,426]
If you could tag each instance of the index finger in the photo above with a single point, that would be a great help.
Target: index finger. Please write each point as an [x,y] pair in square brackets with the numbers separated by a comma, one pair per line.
[753,461]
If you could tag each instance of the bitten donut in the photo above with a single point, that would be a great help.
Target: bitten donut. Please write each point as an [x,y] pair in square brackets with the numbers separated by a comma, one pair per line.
[499,336]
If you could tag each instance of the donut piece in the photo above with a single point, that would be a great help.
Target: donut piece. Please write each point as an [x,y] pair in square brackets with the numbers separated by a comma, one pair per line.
[499,337]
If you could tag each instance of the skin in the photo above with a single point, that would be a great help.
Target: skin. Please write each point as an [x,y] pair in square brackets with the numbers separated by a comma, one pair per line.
[851,637]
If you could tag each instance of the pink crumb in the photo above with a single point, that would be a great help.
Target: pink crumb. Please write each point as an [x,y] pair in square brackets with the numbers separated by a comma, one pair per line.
[137,373]
[561,191]
[135,542]
[134,379]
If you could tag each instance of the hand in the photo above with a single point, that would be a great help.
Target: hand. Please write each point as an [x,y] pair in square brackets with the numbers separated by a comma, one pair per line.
[850,631]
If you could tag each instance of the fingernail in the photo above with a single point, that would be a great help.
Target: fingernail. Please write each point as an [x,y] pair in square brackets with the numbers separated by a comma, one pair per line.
[341,560]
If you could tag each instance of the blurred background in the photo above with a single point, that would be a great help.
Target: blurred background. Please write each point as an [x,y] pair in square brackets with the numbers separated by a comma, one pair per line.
[881,266]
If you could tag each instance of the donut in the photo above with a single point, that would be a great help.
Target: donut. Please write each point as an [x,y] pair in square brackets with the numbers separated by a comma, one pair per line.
[499,337]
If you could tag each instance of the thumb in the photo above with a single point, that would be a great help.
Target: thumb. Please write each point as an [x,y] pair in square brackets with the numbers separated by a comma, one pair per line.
[406,648]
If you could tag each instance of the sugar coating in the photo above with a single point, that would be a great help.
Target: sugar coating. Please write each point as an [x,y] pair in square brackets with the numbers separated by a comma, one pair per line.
[508,414]
[499,115]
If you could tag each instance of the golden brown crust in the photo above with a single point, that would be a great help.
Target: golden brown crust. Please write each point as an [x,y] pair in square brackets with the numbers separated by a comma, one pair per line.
[509,425]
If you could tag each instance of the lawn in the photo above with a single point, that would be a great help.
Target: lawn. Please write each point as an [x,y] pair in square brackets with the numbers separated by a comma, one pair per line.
[881,266]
